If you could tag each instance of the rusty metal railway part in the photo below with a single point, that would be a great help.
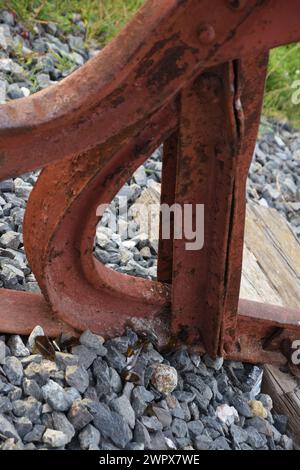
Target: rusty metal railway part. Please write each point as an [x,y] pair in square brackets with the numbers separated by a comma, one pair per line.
[186,73]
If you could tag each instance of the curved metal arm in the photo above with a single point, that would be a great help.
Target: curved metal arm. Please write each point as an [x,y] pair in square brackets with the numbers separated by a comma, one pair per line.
[165,45]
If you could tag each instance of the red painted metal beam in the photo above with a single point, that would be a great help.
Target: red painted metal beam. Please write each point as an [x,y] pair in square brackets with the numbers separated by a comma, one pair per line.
[21,311]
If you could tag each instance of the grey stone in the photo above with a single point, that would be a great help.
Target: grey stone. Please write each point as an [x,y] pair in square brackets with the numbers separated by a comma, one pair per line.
[75,42]
[102,376]
[178,412]
[22,189]
[3,88]
[195,428]
[215,364]
[65,359]
[212,433]
[158,441]
[286,442]
[5,388]
[183,443]
[261,425]
[11,275]
[54,439]
[5,37]
[252,382]
[89,437]
[72,394]
[114,357]
[241,406]
[276,436]
[17,346]
[31,387]
[37,331]
[140,398]
[270,192]
[23,425]
[140,176]
[186,397]
[123,407]
[186,410]
[127,389]
[220,443]
[238,434]
[266,400]
[135,446]
[79,415]
[10,239]
[280,423]
[115,380]
[13,370]
[203,442]
[112,426]
[203,393]
[29,407]
[5,404]
[10,444]
[43,80]
[90,340]
[255,439]
[85,355]
[36,434]
[211,422]
[194,410]
[15,393]
[2,352]
[77,377]
[7,186]
[105,445]
[179,428]
[151,423]
[7,17]
[141,435]
[40,371]
[61,423]
[14,91]
[56,396]
[7,429]
[164,416]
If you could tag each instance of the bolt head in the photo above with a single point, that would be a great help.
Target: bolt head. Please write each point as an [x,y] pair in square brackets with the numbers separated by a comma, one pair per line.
[206,33]
[237,4]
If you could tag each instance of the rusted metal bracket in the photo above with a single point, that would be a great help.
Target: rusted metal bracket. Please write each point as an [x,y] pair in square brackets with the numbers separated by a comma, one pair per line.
[186,73]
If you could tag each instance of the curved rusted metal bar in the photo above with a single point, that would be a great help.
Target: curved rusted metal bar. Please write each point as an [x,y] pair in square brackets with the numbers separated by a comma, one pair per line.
[60,244]
[186,72]
[162,48]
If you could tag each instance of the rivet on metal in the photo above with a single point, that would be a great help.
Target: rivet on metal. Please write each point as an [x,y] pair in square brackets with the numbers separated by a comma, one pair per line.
[237,4]
[206,33]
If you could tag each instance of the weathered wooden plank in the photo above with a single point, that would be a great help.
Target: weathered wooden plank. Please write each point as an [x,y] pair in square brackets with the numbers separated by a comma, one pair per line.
[271,266]
[271,274]
[285,393]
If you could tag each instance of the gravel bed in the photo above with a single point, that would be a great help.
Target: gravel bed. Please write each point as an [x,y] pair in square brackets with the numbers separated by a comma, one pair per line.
[81,398]
[94,396]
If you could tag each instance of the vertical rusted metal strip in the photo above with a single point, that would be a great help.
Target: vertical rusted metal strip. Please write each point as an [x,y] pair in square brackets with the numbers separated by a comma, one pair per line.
[206,169]
[249,89]
[165,247]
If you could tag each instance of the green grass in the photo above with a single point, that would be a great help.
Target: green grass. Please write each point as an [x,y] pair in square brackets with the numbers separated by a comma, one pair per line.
[284,69]
[104,18]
